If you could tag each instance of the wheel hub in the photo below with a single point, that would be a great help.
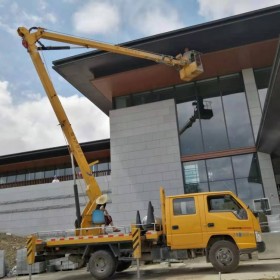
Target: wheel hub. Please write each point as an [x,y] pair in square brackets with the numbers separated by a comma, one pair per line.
[224,256]
[100,264]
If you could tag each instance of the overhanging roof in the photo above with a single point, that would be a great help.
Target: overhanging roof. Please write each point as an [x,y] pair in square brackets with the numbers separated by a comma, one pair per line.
[268,140]
[100,75]
[56,156]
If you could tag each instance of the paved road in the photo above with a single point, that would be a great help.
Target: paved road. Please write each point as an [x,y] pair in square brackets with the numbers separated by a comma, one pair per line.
[248,270]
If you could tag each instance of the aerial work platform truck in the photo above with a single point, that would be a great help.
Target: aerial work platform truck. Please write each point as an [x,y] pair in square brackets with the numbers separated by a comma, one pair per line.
[217,225]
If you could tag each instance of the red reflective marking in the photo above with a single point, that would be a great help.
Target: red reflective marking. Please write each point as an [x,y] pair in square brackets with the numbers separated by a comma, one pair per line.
[71,238]
[100,236]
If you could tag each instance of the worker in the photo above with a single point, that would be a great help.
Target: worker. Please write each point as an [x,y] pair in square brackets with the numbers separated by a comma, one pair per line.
[55,179]
[101,202]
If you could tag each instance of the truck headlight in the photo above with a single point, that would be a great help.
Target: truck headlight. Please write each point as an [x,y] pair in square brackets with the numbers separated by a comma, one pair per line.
[258,236]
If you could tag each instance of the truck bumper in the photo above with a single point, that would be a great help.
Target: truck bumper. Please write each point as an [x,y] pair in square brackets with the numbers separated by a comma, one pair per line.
[261,246]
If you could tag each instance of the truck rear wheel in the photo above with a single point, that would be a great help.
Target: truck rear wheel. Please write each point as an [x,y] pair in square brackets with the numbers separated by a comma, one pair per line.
[224,256]
[102,264]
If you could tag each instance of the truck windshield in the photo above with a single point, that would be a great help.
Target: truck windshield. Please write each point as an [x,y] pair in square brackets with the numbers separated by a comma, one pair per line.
[225,203]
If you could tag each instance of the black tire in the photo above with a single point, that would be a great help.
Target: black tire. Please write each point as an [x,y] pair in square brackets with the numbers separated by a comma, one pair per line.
[102,264]
[123,265]
[224,256]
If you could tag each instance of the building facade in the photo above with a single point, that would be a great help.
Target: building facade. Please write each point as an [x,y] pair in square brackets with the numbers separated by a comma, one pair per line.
[219,132]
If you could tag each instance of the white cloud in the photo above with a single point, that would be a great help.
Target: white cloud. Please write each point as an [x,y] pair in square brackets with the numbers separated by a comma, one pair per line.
[39,16]
[216,9]
[157,19]
[32,124]
[107,17]
[97,17]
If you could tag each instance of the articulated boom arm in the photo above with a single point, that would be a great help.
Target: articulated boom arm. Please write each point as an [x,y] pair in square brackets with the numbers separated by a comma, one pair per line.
[188,64]
[93,190]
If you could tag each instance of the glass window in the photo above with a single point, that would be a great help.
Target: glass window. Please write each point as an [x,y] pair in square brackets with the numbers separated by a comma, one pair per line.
[65,171]
[226,203]
[20,177]
[49,174]
[166,93]
[262,77]
[248,191]
[189,128]
[11,178]
[30,176]
[246,166]
[212,116]
[219,169]
[239,174]
[196,187]
[262,96]
[144,97]
[103,166]
[195,171]
[225,185]
[184,206]
[3,180]
[236,111]
[195,177]
[39,175]
[122,102]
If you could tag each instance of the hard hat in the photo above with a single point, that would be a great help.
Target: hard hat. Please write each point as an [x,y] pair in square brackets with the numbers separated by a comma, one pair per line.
[102,199]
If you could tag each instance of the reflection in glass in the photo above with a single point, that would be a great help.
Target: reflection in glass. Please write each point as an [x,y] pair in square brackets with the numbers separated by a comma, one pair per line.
[122,102]
[189,131]
[246,166]
[226,185]
[219,169]
[195,177]
[236,111]
[239,174]
[144,97]
[165,93]
[262,96]
[49,174]
[3,180]
[20,177]
[248,191]
[39,175]
[262,77]
[11,178]
[214,128]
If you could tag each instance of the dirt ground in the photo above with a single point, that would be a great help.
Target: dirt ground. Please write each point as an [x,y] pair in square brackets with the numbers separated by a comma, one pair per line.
[10,244]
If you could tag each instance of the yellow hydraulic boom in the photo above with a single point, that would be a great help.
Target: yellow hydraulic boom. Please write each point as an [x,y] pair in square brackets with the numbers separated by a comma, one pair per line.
[188,64]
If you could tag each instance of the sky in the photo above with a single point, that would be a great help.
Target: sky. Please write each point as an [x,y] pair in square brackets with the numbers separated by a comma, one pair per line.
[27,121]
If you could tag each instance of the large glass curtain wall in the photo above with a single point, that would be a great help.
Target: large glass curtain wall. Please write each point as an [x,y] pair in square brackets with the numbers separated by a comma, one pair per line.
[239,174]
[213,115]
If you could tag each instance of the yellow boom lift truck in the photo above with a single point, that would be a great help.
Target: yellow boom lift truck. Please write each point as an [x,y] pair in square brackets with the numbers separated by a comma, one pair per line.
[217,225]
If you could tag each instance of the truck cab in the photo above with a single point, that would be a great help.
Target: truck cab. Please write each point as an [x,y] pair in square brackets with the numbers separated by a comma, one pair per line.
[217,223]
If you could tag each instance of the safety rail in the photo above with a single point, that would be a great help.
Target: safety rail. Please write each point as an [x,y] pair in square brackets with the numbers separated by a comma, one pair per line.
[107,229]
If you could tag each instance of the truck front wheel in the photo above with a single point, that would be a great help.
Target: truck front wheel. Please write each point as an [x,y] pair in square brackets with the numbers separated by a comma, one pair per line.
[224,256]
[102,264]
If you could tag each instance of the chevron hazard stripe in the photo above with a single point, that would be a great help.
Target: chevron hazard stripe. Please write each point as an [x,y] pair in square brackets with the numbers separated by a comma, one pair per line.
[136,243]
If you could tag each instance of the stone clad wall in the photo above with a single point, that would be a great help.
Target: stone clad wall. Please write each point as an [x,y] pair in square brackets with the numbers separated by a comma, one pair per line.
[144,156]
[45,207]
